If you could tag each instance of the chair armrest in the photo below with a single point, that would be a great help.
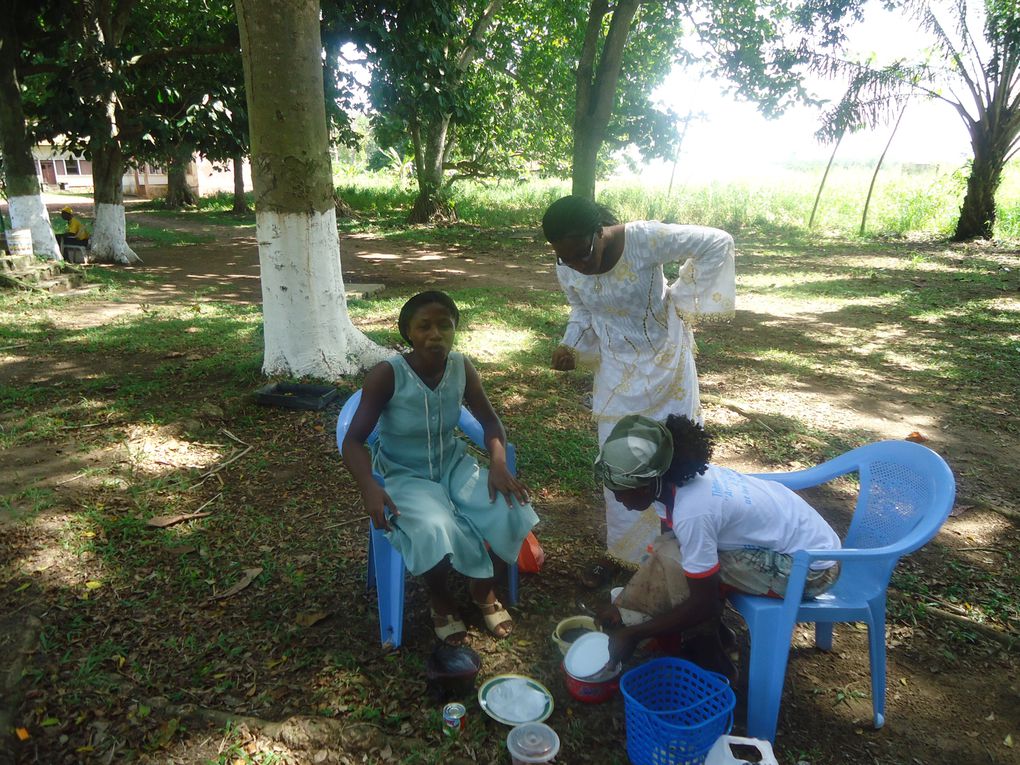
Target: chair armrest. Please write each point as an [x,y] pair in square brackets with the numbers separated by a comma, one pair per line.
[472,428]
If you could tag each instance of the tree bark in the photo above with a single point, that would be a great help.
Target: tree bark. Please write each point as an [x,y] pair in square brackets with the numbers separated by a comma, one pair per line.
[240,202]
[308,331]
[596,89]
[109,238]
[977,215]
[25,202]
[178,192]
[431,206]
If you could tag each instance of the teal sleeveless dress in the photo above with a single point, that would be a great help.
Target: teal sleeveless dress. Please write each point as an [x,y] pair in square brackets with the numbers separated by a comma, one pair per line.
[440,490]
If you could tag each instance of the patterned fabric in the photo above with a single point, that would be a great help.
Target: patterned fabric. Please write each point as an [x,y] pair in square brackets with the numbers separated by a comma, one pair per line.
[634,330]
[439,489]
[638,451]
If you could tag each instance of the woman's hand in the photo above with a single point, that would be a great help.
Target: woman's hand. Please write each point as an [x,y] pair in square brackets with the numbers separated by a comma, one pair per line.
[376,502]
[608,617]
[563,358]
[622,642]
[501,481]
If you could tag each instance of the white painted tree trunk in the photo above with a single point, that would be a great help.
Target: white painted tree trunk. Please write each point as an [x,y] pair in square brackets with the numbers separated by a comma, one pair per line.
[29,212]
[308,331]
[109,239]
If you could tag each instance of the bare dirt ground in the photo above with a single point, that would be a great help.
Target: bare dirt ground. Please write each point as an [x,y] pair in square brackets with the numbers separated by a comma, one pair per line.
[953,692]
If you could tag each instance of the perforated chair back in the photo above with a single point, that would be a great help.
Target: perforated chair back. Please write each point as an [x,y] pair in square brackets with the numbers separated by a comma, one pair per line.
[906,494]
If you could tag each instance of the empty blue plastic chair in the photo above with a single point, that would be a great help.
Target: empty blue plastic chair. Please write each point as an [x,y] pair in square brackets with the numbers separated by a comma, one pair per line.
[385,563]
[906,493]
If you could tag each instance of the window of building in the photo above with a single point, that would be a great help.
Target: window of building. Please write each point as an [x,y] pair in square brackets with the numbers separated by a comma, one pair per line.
[72,167]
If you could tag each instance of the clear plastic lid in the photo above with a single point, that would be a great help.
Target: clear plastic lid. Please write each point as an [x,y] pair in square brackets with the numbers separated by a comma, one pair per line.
[533,742]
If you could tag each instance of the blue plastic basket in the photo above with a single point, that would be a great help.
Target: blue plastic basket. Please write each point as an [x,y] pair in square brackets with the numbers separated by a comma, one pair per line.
[675,711]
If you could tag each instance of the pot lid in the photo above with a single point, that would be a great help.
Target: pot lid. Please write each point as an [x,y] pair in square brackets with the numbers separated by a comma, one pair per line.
[588,655]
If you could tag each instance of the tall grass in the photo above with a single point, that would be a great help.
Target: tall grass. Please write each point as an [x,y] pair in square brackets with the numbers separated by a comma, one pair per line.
[908,201]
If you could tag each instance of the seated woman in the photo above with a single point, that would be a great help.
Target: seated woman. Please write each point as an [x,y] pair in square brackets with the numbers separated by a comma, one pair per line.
[439,507]
[728,530]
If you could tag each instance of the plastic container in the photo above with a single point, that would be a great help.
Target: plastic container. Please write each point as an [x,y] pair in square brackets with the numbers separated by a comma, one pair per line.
[675,711]
[533,742]
[19,241]
[586,675]
[561,636]
[722,754]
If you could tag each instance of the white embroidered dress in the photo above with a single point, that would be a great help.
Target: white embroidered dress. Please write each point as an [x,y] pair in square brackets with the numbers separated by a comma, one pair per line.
[634,330]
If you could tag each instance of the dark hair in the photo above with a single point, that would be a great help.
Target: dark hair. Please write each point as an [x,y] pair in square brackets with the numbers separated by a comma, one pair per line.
[692,449]
[575,216]
[422,299]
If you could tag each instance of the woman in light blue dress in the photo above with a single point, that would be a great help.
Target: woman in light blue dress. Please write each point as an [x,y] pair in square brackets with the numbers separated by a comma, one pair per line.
[440,509]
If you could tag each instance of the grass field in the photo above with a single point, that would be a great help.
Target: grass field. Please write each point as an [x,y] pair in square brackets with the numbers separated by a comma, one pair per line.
[908,202]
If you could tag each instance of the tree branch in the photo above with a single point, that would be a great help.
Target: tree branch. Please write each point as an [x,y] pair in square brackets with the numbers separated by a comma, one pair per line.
[161,54]
[473,43]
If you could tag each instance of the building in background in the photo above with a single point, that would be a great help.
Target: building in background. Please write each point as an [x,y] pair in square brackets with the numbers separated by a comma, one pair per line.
[63,171]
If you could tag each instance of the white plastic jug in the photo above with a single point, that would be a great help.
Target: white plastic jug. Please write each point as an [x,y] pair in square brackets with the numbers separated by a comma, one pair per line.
[721,754]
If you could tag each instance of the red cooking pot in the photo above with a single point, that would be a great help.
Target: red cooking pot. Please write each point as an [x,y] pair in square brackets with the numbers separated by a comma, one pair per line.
[585,672]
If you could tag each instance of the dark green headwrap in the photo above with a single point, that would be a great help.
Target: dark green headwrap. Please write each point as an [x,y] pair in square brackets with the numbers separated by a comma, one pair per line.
[638,451]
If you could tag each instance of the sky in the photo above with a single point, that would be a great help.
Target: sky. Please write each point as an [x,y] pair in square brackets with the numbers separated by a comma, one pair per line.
[736,140]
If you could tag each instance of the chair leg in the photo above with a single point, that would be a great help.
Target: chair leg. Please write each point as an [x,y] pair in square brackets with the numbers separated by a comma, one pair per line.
[876,647]
[389,579]
[823,635]
[512,583]
[768,657]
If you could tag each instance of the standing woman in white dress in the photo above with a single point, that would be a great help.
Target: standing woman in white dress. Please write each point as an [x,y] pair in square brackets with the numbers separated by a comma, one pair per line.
[633,328]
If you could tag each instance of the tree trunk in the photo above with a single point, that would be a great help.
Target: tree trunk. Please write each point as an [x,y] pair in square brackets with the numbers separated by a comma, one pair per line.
[431,206]
[977,216]
[596,89]
[308,331]
[24,197]
[178,192]
[240,202]
[109,238]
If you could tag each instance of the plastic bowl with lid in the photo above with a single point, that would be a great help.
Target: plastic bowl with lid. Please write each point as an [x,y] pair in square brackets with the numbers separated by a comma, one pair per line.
[532,742]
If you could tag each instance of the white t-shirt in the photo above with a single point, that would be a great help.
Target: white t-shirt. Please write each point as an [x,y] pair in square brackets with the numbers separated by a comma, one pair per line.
[726,510]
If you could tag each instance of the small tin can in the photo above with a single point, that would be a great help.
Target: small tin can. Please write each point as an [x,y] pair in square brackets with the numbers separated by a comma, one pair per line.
[453,718]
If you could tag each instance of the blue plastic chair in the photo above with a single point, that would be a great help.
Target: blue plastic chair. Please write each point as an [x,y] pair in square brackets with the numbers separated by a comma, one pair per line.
[906,493]
[385,564]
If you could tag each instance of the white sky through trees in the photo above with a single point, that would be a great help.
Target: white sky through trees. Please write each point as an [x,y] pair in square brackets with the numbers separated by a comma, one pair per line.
[736,140]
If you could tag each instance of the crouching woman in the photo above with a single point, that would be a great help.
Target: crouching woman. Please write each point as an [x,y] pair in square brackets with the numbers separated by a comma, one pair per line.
[728,530]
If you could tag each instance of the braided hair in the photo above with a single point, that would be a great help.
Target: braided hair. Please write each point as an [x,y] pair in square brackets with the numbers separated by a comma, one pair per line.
[692,449]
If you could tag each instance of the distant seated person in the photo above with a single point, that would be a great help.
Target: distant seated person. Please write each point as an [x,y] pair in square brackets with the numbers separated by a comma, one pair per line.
[728,531]
[76,235]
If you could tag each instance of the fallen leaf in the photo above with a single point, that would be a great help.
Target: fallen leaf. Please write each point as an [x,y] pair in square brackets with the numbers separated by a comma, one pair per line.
[990,717]
[93,585]
[308,619]
[1008,741]
[917,437]
[23,734]
[181,549]
[903,681]
[162,521]
[248,578]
